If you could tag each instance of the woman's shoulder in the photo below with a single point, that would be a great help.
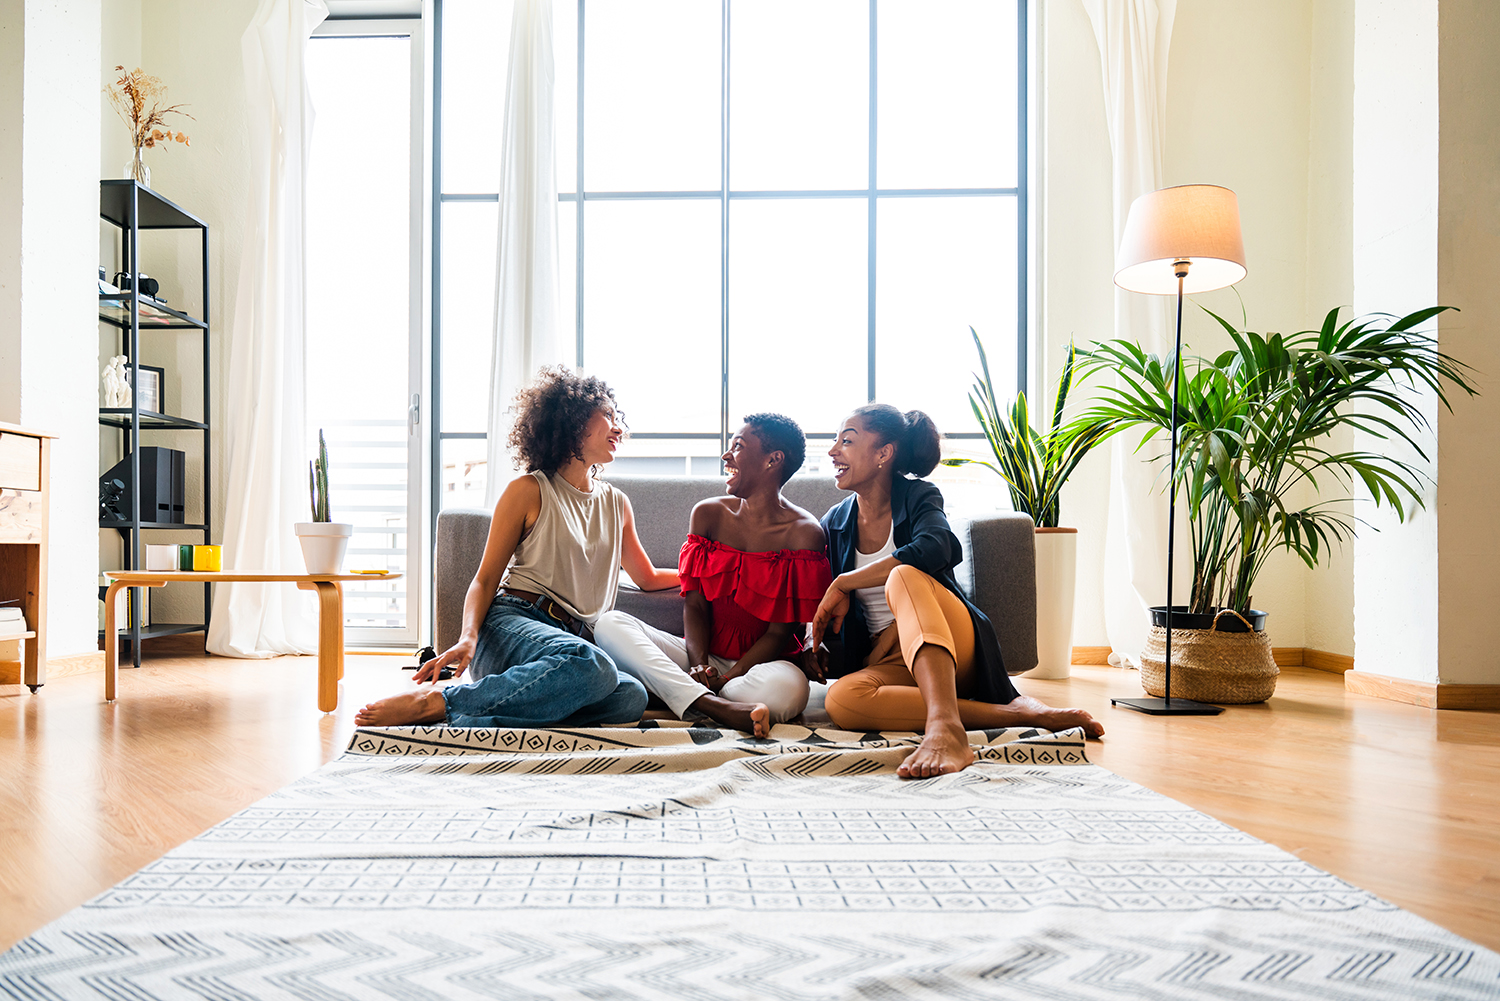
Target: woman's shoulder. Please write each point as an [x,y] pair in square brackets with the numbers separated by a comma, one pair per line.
[838,515]
[913,493]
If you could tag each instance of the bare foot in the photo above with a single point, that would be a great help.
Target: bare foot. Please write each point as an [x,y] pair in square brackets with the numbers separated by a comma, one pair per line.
[751,717]
[404,709]
[1038,714]
[944,748]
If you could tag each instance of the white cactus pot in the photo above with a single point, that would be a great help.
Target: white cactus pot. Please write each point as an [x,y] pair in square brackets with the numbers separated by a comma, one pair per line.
[323,545]
[1056,573]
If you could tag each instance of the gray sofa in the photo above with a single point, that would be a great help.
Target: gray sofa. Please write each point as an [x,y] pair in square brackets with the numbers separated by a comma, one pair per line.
[998,572]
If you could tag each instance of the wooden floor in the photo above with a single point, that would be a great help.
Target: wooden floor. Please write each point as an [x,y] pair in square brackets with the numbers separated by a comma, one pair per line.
[1400,800]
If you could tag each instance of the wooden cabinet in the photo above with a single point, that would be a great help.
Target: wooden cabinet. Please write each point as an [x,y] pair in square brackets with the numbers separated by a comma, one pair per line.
[25,468]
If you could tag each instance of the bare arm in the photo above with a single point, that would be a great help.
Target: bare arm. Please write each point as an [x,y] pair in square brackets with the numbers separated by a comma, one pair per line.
[771,646]
[635,561]
[515,513]
[835,603]
[697,627]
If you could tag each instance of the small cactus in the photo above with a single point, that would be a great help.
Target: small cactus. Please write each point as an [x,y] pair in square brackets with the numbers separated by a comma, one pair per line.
[317,482]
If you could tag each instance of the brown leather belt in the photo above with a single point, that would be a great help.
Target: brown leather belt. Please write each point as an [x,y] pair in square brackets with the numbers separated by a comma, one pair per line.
[549,607]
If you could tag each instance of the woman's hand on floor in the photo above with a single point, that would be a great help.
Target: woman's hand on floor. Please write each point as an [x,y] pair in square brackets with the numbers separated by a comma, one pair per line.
[456,656]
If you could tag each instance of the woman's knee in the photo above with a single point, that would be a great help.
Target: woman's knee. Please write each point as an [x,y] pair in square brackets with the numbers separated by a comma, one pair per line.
[612,628]
[848,699]
[904,579]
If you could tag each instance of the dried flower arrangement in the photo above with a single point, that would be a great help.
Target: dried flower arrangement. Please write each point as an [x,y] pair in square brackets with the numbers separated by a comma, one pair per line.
[138,101]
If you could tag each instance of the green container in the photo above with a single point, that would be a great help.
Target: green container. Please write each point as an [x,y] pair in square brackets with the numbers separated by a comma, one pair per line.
[184,557]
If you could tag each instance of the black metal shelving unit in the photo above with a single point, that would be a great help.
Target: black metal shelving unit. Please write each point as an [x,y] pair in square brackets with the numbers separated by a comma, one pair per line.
[133,208]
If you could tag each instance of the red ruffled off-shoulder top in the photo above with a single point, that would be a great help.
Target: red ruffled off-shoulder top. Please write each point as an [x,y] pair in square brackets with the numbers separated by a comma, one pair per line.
[750,590]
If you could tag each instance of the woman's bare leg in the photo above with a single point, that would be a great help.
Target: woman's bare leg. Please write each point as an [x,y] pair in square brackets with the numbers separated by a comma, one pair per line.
[406,709]
[751,717]
[945,740]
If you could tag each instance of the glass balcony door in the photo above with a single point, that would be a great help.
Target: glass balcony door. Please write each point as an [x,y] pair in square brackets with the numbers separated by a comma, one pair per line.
[364,311]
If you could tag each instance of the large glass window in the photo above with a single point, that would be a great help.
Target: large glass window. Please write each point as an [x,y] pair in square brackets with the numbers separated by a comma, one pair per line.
[793,205]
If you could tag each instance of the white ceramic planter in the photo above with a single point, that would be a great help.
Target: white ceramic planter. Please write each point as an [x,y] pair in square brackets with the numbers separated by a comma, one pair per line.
[1056,572]
[323,545]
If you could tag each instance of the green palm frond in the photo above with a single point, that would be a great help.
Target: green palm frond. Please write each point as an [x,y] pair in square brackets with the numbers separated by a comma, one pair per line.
[1252,423]
[1034,464]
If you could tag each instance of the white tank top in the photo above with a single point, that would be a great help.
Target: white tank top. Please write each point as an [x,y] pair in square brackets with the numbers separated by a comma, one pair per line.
[878,613]
[573,550]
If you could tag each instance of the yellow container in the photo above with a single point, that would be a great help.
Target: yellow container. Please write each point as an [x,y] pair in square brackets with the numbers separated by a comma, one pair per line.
[208,559]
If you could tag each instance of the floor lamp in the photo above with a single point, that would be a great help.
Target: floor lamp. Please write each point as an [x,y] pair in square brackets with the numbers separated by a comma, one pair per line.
[1179,240]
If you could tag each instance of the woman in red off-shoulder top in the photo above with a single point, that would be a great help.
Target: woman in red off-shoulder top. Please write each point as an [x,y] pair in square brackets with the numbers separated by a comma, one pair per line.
[753,568]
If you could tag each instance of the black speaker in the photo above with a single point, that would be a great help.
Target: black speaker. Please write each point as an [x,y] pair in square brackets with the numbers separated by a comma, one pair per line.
[163,480]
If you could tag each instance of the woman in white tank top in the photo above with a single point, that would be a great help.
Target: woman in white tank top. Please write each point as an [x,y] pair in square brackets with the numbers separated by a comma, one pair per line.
[557,541]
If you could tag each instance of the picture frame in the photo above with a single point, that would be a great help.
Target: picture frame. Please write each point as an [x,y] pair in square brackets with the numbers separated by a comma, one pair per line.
[149,382]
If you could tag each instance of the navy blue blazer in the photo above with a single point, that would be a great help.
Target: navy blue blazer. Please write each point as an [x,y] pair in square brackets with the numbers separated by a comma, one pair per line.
[923,539]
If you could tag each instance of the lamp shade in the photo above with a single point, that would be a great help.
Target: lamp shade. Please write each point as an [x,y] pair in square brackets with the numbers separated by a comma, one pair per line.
[1199,223]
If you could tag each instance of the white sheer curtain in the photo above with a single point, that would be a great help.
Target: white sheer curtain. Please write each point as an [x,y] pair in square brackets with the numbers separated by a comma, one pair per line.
[527,312]
[264,441]
[1134,37]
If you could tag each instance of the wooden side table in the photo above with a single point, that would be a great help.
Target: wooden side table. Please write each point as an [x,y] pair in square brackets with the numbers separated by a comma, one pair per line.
[330,617]
[25,472]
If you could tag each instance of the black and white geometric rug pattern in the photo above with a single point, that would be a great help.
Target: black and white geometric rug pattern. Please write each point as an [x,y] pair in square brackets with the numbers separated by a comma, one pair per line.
[798,869]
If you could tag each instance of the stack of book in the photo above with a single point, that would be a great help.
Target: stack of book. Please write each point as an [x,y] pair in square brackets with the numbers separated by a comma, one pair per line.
[12,622]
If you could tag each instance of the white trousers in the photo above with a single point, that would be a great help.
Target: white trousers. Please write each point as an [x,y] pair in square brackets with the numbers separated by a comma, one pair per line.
[659,661]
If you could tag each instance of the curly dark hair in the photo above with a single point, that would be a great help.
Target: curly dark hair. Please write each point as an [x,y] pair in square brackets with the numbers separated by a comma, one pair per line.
[551,414]
[779,433]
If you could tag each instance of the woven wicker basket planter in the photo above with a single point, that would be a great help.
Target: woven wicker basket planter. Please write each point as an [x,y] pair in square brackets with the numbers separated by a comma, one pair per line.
[1210,666]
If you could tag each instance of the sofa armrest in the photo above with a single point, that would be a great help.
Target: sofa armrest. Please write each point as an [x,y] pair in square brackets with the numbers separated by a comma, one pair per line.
[999,575]
[458,550]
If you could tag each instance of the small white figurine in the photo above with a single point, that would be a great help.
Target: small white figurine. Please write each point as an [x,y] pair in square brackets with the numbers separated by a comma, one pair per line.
[116,383]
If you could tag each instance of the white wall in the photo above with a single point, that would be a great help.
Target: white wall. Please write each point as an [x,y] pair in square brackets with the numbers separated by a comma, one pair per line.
[1468,250]
[12,65]
[49,118]
[1329,619]
[1395,269]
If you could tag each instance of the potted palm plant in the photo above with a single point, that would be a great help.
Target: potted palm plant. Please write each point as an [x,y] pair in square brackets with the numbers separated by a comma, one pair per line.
[1034,465]
[323,540]
[1254,427]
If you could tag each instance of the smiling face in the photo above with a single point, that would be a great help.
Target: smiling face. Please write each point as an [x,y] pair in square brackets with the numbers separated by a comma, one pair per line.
[858,456]
[601,436]
[748,463]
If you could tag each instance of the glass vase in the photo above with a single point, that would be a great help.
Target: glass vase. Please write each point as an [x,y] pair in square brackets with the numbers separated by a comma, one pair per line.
[136,170]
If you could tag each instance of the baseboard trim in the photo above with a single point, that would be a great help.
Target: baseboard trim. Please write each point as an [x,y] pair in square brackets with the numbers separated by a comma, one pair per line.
[1430,695]
[1322,660]
[57,667]
[1284,656]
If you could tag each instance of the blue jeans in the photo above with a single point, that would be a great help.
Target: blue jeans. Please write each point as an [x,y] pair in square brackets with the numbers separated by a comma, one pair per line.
[528,672]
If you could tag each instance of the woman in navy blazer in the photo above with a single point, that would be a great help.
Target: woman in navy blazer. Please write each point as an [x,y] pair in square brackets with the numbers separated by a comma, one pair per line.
[912,653]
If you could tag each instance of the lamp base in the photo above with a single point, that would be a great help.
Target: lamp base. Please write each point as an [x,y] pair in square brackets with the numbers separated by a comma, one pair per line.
[1168,707]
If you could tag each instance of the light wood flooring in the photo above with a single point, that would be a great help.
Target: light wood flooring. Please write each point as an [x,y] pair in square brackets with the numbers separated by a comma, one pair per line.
[1400,800]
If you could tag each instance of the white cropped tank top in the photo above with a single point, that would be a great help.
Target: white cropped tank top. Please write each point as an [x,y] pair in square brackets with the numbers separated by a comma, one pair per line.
[878,614]
[573,550]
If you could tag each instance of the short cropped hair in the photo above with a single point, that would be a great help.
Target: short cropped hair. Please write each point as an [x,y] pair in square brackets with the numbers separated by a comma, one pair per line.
[779,433]
[551,415]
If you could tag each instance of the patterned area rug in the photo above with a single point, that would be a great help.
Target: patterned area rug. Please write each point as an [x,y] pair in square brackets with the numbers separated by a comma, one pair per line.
[668,862]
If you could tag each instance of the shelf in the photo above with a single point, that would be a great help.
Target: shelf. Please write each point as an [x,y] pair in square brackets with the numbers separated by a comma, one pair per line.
[119,417]
[114,308]
[163,629]
[152,210]
[156,526]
